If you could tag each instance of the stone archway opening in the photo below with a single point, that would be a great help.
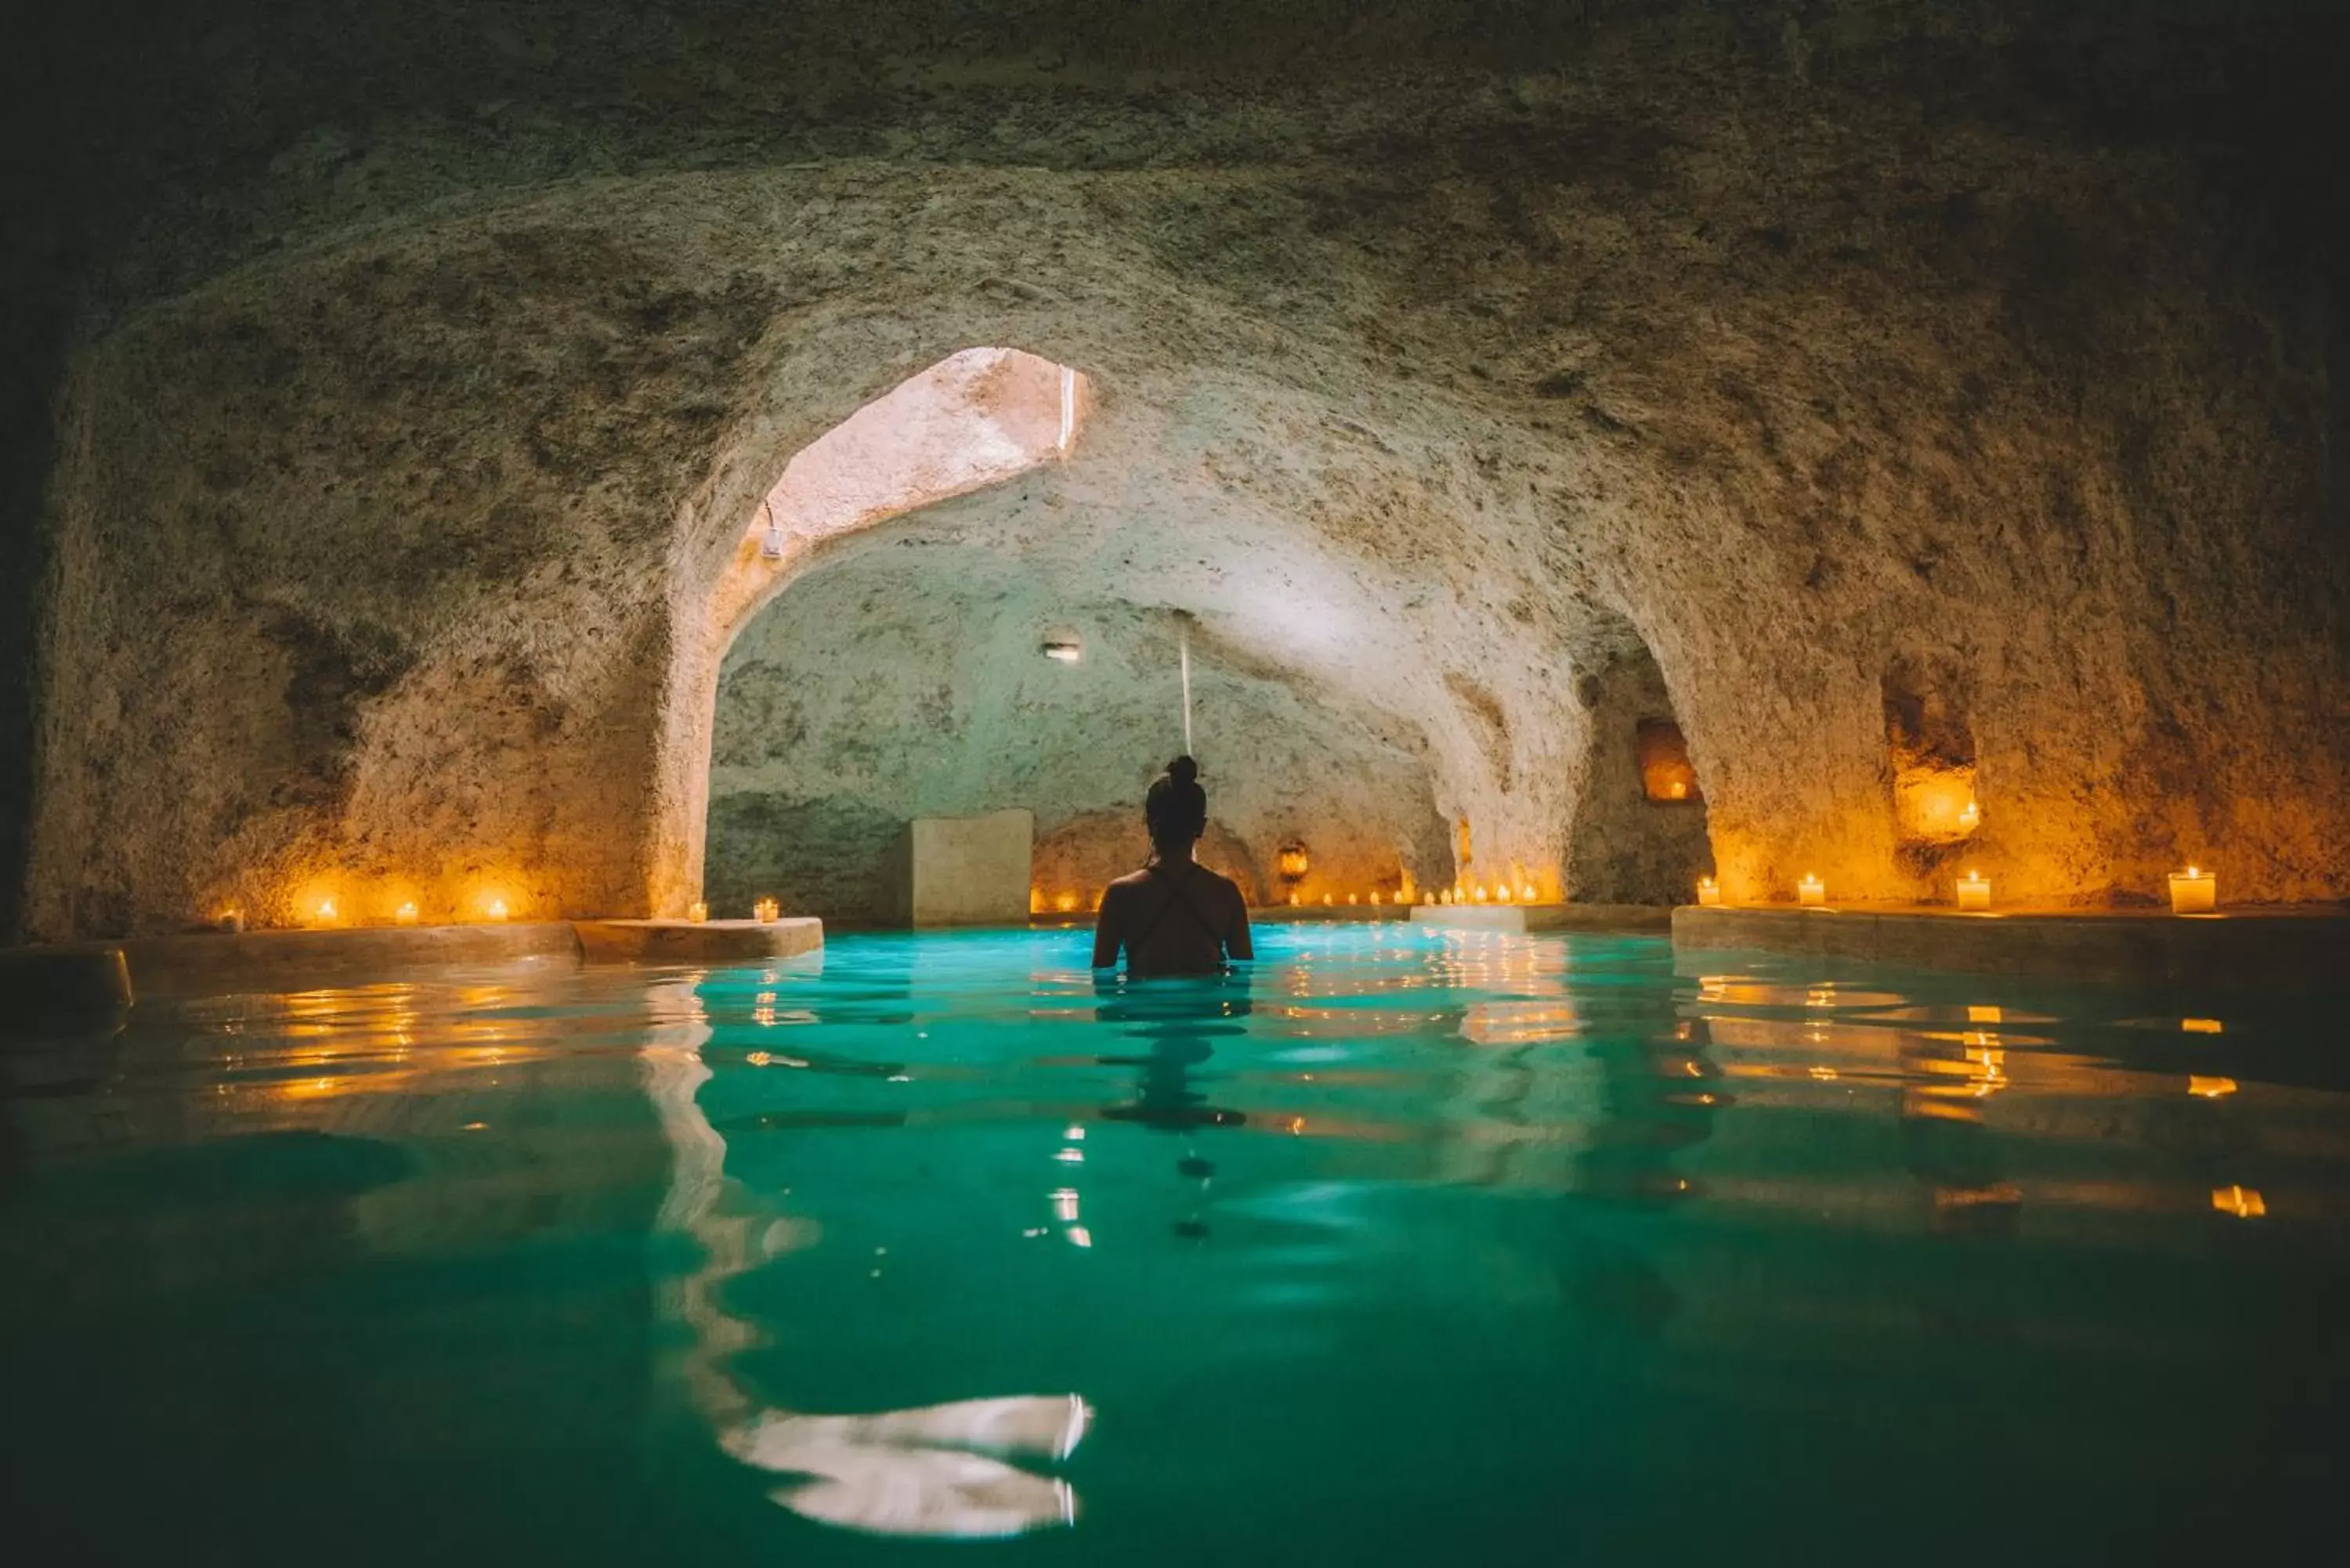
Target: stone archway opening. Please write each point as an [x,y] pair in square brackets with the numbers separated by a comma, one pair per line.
[977,418]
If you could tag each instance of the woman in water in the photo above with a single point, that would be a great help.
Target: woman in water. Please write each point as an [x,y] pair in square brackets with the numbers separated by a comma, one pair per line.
[1174,916]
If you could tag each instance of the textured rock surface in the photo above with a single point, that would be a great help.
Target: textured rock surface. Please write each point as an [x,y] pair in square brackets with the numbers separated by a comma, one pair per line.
[403,465]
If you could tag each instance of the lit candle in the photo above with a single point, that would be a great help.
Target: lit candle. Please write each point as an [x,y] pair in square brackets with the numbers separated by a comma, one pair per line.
[2193,892]
[1527,893]
[1375,895]
[1708,892]
[406,913]
[1974,891]
[325,915]
[1811,891]
[1351,899]
[230,920]
[1969,815]
[1327,900]
[697,911]
[765,911]
[497,909]
[1502,893]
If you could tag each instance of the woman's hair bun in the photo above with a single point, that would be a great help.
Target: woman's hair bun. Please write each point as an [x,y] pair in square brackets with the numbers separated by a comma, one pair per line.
[1182,769]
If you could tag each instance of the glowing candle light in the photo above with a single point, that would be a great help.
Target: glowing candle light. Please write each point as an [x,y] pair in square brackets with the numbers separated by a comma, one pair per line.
[1502,893]
[1974,891]
[406,914]
[1294,899]
[1351,899]
[1327,900]
[2213,1088]
[2194,891]
[497,909]
[1375,895]
[325,915]
[1480,892]
[697,911]
[1708,892]
[231,920]
[765,911]
[1811,892]
[2243,1202]
[1527,893]
[1969,815]
[1066,902]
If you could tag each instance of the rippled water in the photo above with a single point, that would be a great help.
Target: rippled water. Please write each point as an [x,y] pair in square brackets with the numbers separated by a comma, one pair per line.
[1402,1248]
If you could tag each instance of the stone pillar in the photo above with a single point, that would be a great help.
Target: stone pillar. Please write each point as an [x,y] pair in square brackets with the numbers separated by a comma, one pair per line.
[961,870]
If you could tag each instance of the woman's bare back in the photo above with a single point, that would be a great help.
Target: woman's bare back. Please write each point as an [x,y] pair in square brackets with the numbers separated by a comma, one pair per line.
[1176,917]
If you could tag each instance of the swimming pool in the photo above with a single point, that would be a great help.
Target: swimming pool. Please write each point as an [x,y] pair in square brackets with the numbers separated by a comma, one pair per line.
[1404,1248]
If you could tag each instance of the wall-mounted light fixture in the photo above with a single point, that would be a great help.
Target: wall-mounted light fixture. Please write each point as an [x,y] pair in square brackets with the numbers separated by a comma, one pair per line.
[1067,650]
[1294,862]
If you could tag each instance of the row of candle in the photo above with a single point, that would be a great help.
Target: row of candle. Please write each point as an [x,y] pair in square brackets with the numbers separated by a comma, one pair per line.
[2193,891]
[328,912]
[766,911]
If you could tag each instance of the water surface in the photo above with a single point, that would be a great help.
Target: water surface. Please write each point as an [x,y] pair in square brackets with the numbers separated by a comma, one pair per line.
[1398,1248]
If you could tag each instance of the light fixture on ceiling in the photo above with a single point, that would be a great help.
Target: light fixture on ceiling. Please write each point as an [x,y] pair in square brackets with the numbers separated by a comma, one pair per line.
[1067,650]
[771,543]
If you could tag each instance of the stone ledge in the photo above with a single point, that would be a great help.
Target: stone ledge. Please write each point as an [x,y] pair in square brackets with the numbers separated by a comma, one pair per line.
[1654,918]
[697,941]
[1302,914]
[217,962]
[2282,948]
[78,986]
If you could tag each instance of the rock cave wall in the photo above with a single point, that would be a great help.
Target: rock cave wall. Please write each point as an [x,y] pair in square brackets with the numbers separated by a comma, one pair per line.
[402,457]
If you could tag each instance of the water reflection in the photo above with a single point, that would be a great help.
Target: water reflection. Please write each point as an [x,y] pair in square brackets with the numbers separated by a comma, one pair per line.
[1179,1020]
[940,1470]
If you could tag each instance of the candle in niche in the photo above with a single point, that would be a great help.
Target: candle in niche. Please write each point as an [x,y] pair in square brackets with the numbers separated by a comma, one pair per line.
[406,914]
[2194,891]
[1708,892]
[1974,891]
[697,911]
[1811,892]
[497,909]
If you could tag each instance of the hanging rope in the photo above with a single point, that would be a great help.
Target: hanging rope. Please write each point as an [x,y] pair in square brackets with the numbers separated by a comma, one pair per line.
[1187,691]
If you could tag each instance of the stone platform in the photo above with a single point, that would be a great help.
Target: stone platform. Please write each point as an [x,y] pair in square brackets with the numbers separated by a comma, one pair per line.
[2283,949]
[697,941]
[1654,918]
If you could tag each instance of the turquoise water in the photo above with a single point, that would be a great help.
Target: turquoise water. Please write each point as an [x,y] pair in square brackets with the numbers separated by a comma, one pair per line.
[1403,1249]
